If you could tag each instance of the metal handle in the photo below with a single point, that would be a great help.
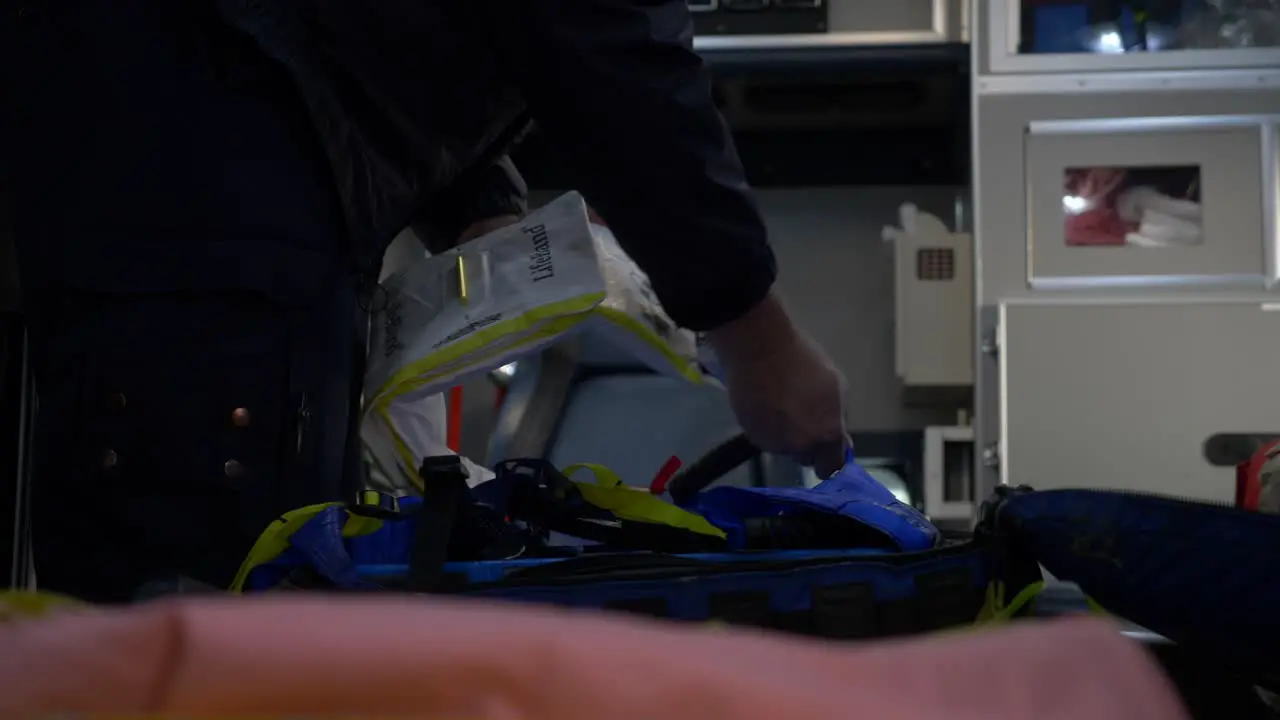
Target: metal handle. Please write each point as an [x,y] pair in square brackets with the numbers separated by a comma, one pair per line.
[1232,449]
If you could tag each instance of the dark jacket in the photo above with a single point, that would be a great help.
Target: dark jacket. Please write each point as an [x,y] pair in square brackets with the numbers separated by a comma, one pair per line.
[163,174]
[415,102]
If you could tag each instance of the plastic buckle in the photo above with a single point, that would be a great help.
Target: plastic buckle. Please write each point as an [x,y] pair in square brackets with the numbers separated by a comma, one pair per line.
[372,503]
[989,511]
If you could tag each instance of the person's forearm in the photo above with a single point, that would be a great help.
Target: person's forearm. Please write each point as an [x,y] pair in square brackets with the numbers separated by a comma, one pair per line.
[626,104]
[765,326]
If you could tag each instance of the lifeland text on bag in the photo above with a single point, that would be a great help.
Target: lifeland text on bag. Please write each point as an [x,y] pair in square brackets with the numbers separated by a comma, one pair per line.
[480,306]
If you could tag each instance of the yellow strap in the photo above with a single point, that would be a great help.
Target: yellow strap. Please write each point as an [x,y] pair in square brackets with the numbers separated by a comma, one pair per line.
[275,539]
[15,604]
[1094,607]
[604,476]
[628,503]
[562,314]
[995,611]
[607,493]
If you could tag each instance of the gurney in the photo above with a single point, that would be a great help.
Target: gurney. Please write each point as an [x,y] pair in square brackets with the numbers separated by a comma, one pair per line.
[905,578]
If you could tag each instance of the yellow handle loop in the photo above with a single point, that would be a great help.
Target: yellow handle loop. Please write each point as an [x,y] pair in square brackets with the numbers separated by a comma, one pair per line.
[275,539]
[604,476]
[609,493]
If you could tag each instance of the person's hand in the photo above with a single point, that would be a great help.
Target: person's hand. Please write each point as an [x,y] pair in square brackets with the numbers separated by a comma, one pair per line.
[486,226]
[786,393]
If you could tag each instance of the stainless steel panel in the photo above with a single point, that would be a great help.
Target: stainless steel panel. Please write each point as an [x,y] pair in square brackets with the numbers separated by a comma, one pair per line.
[1104,394]
[1218,159]
[1002,30]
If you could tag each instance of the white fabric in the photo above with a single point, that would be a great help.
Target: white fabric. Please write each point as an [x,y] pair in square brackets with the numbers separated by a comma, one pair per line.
[526,286]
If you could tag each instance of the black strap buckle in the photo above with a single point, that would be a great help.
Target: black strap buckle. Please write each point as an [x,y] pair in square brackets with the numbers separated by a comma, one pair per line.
[988,524]
[376,504]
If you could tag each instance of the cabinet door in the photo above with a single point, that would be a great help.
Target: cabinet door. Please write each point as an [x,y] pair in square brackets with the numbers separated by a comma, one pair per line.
[1147,201]
[1064,36]
[1125,395]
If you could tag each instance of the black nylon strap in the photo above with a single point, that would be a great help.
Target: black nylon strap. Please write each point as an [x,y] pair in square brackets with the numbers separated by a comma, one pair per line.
[720,461]
[444,481]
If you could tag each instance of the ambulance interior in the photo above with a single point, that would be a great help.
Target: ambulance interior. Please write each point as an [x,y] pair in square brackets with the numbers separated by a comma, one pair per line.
[1041,239]
[837,146]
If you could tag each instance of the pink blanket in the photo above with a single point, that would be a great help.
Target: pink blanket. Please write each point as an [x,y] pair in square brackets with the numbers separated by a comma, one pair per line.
[310,656]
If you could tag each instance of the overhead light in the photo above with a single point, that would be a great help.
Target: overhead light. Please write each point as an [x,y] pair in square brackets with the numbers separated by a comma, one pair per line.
[1106,41]
[1074,204]
[1105,36]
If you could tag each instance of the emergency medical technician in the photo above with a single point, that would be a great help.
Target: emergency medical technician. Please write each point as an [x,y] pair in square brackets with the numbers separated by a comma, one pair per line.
[201,193]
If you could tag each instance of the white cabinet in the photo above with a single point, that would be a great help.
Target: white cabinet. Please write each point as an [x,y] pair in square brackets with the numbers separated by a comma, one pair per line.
[1155,201]
[933,309]
[1107,395]
[1127,196]
[1034,36]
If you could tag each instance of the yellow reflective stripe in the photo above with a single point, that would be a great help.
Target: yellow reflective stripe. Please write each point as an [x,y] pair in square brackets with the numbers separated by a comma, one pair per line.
[559,317]
[628,503]
[403,453]
[421,371]
[687,368]
[275,539]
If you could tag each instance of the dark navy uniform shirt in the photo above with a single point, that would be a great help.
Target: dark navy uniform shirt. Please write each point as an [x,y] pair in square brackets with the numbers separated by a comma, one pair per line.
[187,281]
[150,144]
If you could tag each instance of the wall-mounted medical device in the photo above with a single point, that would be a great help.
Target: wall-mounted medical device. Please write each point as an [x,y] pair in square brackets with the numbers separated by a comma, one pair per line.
[933,301]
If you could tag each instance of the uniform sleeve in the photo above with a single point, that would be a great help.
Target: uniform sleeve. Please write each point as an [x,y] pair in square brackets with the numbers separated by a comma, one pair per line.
[626,105]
